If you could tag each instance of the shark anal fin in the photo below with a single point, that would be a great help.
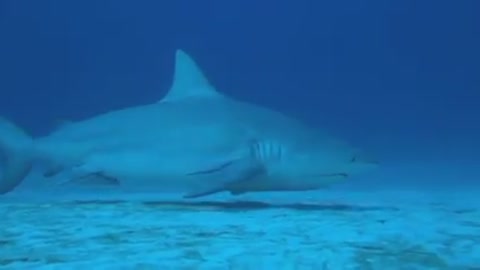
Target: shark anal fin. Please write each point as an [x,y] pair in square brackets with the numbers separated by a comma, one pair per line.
[92,179]
[226,174]
[85,174]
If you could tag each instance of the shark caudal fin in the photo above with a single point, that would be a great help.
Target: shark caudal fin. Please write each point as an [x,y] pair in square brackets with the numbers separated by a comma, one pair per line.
[15,147]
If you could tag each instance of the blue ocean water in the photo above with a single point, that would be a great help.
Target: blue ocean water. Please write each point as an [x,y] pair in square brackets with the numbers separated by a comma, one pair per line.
[400,79]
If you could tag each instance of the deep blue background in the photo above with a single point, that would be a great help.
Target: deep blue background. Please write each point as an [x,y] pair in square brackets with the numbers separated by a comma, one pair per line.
[399,78]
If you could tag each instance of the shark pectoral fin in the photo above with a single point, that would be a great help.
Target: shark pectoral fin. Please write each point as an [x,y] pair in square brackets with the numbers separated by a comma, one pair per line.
[225,174]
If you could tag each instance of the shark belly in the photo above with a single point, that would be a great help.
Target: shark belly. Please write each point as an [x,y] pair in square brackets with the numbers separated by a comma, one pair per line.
[268,183]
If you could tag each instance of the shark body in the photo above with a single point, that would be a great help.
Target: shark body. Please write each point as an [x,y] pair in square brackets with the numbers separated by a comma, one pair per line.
[194,135]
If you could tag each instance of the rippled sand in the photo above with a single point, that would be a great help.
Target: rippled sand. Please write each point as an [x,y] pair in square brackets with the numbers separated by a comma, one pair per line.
[324,230]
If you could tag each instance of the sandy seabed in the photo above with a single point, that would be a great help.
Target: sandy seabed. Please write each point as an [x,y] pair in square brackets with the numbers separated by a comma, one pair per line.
[319,230]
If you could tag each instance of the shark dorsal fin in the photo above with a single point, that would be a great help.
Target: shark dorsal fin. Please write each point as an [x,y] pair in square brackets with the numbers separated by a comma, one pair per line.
[188,80]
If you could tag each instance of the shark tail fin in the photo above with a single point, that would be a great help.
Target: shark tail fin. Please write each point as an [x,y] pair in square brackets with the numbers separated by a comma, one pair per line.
[15,146]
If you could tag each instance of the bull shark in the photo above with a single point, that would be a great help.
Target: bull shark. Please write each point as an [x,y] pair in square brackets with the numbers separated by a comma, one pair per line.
[194,135]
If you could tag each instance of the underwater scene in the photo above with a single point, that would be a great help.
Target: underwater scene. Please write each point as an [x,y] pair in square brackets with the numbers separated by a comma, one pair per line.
[278,135]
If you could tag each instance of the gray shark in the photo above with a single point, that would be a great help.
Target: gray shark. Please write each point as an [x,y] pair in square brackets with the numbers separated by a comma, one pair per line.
[194,135]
